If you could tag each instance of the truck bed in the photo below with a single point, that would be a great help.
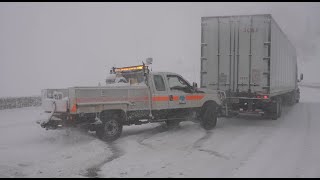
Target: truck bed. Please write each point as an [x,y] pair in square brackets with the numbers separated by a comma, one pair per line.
[95,99]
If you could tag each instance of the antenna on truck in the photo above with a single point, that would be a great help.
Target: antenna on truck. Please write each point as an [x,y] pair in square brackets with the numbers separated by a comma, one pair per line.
[148,62]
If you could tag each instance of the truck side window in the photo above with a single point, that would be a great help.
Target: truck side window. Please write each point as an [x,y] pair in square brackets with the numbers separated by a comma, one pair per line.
[159,83]
[177,83]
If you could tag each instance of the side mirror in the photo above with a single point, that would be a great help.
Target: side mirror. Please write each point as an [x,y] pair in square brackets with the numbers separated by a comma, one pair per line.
[301,77]
[194,85]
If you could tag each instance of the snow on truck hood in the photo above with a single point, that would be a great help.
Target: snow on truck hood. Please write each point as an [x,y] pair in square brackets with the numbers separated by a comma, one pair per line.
[208,91]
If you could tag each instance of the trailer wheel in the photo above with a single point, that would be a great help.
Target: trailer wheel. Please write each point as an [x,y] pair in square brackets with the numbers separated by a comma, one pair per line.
[110,130]
[293,97]
[276,113]
[297,94]
[280,109]
[209,117]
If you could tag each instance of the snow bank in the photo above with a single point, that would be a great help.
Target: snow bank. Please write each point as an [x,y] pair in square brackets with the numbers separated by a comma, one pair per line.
[27,150]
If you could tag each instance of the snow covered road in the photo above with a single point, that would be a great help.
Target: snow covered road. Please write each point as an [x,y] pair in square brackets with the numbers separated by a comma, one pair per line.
[237,147]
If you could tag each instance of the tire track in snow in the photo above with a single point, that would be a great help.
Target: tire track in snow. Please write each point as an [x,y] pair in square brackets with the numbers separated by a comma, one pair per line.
[253,150]
[306,144]
[117,152]
[199,143]
[151,133]
[92,172]
[248,155]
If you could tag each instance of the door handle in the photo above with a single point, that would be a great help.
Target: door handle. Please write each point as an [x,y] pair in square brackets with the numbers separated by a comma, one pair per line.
[170,98]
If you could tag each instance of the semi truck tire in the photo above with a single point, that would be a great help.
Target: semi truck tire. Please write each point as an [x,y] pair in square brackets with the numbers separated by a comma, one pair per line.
[297,94]
[277,109]
[209,117]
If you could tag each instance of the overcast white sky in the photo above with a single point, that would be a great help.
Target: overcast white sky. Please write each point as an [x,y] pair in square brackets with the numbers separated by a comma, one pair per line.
[58,45]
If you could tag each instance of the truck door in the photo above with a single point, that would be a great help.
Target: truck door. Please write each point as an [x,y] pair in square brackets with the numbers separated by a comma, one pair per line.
[179,93]
[160,99]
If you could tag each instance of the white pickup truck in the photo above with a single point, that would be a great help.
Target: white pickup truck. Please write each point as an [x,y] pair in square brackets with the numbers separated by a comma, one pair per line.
[134,95]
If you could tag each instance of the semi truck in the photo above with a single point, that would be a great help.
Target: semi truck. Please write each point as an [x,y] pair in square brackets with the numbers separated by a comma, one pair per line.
[252,60]
[132,95]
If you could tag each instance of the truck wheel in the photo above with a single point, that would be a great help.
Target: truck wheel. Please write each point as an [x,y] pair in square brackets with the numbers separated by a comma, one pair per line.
[276,113]
[172,123]
[209,117]
[297,94]
[297,100]
[293,99]
[110,130]
[280,109]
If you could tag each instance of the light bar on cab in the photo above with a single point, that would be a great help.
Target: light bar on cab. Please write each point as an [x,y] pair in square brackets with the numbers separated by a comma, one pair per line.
[131,68]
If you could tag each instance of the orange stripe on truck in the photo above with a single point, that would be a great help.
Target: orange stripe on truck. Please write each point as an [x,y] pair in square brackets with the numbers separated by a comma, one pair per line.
[194,97]
[160,98]
[176,98]
[143,98]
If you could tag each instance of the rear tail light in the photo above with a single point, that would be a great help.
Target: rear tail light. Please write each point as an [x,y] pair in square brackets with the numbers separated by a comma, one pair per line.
[262,97]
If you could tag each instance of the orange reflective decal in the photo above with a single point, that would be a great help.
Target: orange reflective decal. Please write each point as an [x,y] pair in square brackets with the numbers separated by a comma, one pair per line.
[194,97]
[160,98]
[176,98]
[74,107]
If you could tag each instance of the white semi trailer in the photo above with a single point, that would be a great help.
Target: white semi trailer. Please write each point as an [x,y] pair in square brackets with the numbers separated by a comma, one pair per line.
[252,60]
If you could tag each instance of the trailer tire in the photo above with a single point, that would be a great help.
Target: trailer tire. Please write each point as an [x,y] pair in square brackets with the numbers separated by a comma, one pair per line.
[280,109]
[297,94]
[293,99]
[277,110]
[209,117]
[110,130]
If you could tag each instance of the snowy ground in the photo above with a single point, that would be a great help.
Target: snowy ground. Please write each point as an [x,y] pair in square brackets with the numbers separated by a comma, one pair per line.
[237,147]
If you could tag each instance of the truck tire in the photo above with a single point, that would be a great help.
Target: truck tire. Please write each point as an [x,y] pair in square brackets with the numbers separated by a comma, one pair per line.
[297,99]
[293,99]
[277,110]
[110,130]
[172,123]
[297,94]
[280,109]
[209,117]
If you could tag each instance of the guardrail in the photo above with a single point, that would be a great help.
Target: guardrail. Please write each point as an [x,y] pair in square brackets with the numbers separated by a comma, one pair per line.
[19,102]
